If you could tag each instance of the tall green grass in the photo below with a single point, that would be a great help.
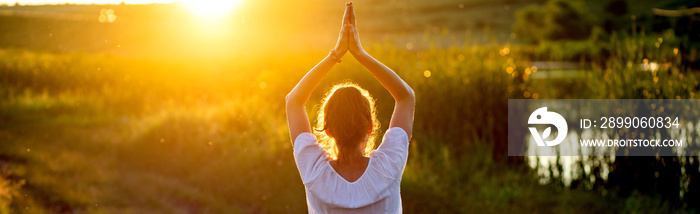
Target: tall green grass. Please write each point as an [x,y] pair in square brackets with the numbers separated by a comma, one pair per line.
[112,134]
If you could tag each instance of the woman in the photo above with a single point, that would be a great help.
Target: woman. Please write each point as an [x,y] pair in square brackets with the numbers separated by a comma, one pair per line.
[342,173]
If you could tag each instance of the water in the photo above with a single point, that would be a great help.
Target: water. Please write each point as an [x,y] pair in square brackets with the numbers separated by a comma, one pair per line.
[558,70]
[570,168]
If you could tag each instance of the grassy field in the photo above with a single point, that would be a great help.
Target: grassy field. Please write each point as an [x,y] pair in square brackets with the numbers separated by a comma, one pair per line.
[160,113]
[194,145]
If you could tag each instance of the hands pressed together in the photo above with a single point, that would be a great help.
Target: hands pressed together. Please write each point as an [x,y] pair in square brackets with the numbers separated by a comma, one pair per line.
[348,40]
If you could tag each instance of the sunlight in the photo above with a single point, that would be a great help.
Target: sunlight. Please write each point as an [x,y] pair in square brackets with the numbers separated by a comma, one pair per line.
[212,8]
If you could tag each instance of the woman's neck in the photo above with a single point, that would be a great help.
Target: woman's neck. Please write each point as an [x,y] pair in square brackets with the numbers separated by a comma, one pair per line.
[350,157]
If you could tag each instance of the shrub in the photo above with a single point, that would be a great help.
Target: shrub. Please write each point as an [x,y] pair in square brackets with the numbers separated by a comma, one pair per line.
[555,20]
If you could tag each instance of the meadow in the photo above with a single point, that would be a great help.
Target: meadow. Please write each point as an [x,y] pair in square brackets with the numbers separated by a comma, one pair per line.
[160,113]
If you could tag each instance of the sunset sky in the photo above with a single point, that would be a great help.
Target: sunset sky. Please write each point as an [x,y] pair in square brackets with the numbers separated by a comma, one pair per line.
[87,1]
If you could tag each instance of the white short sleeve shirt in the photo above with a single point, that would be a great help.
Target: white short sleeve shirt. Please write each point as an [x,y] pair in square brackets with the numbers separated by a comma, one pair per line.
[376,191]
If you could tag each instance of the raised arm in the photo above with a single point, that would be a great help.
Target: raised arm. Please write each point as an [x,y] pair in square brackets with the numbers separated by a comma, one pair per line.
[297,119]
[403,94]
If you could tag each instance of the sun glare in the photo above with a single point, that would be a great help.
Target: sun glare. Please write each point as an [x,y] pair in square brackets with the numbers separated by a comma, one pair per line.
[212,8]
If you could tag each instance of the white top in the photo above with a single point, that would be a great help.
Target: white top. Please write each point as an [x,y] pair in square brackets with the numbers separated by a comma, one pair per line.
[376,191]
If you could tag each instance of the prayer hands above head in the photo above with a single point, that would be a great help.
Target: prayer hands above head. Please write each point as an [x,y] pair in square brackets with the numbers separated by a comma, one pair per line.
[348,38]
[343,37]
[354,45]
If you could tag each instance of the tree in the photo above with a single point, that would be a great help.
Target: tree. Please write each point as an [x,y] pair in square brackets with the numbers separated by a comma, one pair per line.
[555,20]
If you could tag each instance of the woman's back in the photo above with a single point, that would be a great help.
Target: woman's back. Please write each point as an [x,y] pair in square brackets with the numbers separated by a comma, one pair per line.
[351,170]
[376,191]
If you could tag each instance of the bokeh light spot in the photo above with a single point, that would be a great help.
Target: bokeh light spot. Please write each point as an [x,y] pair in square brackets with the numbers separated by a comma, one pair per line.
[505,51]
[107,16]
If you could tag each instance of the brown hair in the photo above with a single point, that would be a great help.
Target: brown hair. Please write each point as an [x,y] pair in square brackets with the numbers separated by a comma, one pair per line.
[346,116]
